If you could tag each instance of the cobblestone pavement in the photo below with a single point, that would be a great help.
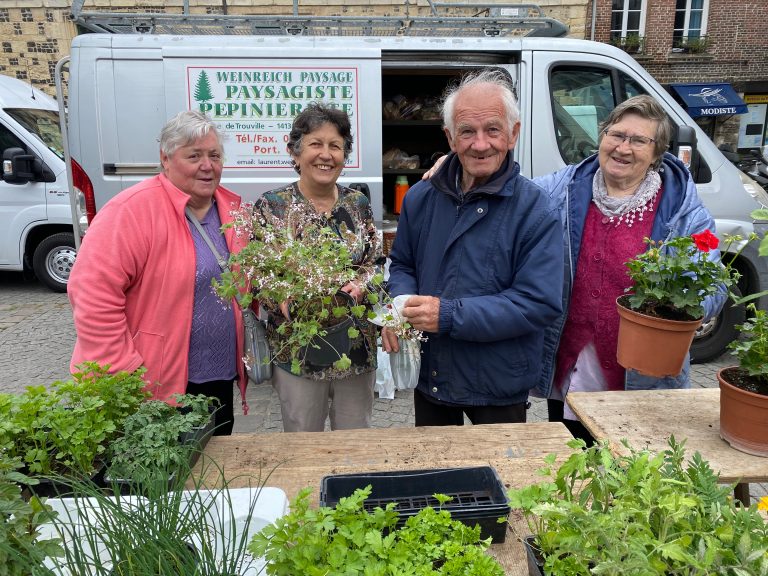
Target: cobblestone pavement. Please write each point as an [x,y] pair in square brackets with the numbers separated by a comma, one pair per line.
[37,336]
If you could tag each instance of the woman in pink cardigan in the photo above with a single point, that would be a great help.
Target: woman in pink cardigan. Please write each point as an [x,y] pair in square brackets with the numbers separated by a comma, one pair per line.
[141,286]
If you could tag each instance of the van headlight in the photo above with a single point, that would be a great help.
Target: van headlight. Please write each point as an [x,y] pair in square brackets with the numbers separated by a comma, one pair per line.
[754,189]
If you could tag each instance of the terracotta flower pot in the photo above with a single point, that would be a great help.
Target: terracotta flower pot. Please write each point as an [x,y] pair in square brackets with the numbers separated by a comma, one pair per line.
[743,417]
[653,346]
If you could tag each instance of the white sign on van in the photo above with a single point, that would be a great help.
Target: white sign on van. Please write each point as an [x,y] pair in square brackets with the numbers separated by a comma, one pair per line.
[254,107]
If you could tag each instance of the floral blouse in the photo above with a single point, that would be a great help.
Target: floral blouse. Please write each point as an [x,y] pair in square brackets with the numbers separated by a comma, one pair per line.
[351,217]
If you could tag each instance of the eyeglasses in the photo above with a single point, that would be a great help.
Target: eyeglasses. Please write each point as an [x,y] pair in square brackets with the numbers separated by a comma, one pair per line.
[618,138]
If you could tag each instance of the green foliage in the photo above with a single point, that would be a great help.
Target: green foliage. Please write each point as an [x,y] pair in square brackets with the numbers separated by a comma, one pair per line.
[187,530]
[66,427]
[761,214]
[22,550]
[298,261]
[347,540]
[677,275]
[150,438]
[752,348]
[641,514]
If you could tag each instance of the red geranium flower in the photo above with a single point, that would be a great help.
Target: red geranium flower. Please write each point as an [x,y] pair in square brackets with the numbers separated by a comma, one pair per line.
[705,241]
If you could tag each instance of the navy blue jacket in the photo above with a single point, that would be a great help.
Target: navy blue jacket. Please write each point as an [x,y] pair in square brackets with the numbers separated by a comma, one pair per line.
[494,257]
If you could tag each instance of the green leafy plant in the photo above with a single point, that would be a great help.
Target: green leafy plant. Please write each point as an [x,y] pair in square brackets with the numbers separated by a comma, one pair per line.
[22,549]
[150,442]
[631,43]
[302,262]
[691,44]
[640,514]
[348,540]
[66,427]
[176,531]
[672,278]
[751,349]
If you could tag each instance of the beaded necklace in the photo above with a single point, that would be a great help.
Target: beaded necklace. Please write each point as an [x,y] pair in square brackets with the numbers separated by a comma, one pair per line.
[626,208]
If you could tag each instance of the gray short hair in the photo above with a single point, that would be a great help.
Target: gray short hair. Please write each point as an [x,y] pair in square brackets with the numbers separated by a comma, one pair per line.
[184,129]
[494,76]
[646,107]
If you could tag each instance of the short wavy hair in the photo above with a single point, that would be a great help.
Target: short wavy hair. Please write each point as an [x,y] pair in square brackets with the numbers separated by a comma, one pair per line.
[313,117]
[184,129]
[646,107]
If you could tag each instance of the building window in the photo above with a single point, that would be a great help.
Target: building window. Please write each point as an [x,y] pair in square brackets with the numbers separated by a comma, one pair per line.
[627,20]
[690,22]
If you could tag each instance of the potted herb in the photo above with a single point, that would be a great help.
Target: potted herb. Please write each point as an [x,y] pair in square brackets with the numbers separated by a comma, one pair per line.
[640,514]
[348,539]
[158,439]
[185,530]
[65,429]
[663,308]
[22,548]
[303,263]
[744,388]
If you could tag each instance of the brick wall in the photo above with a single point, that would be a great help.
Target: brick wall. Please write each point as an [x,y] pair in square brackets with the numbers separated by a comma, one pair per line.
[737,50]
[35,34]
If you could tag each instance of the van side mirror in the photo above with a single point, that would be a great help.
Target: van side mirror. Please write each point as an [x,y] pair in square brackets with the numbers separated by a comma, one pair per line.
[20,167]
[684,145]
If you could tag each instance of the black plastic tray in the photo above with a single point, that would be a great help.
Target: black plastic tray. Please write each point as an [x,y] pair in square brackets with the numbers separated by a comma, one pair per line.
[477,492]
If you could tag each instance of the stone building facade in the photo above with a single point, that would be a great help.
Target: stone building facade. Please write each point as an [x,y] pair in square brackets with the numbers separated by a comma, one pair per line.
[37,33]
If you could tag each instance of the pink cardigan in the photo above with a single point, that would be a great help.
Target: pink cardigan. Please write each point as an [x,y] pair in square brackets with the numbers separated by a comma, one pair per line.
[132,285]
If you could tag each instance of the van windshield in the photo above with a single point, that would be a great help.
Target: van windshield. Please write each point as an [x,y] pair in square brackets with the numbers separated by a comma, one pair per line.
[42,123]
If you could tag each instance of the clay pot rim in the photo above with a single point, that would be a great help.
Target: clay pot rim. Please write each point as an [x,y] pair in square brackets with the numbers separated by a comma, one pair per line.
[681,323]
[723,381]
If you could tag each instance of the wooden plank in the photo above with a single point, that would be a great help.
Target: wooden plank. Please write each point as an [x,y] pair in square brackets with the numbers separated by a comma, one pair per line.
[293,461]
[647,418]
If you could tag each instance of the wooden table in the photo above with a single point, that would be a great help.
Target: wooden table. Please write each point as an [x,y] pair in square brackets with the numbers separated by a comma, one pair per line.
[292,461]
[647,418]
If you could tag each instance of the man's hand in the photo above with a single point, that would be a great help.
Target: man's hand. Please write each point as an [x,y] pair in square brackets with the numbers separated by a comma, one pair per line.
[423,312]
[389,342]
[354,290]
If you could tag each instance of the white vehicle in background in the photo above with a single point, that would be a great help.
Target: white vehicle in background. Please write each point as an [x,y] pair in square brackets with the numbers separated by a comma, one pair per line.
[35,215]
[124,87]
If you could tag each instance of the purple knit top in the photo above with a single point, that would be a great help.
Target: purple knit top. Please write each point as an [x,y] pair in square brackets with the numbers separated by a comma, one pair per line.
[212,345]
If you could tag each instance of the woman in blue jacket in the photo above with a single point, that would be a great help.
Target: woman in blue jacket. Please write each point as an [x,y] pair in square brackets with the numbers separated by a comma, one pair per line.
[631,189]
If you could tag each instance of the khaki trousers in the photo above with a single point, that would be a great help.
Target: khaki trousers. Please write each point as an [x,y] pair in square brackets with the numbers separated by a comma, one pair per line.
[305,404]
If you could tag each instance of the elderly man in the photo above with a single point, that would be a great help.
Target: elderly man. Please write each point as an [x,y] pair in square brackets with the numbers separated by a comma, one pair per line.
[482,253]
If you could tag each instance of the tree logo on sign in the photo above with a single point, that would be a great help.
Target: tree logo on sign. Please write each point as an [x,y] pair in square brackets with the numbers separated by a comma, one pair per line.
[203,88]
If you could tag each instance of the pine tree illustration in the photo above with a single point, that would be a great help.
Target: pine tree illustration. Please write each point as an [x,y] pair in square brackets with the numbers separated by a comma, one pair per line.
[203,88]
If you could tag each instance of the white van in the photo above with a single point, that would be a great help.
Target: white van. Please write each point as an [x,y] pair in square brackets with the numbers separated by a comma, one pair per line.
[123,88]
[35,215]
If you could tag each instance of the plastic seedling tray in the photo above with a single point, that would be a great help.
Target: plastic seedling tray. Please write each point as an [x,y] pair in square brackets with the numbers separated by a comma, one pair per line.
[477,492]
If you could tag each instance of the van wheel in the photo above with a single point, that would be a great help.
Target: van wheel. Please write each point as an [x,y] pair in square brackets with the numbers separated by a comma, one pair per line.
[53,260]
[712,337]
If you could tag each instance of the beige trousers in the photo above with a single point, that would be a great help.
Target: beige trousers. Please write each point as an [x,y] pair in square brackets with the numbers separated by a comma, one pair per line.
[305,404]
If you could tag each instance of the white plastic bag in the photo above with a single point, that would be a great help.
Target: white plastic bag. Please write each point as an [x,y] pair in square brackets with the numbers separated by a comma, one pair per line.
[385,386]
[405,364]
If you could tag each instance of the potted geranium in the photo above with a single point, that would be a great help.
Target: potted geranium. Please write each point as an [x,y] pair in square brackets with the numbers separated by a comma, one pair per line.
[304,269]
[651,514]
[663,308]
[744,388]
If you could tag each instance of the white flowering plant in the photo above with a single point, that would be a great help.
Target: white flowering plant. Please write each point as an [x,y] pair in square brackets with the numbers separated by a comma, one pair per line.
[300,260]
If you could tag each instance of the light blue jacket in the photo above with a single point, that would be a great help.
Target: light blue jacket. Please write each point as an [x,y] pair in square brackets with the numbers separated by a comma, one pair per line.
[680,213]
